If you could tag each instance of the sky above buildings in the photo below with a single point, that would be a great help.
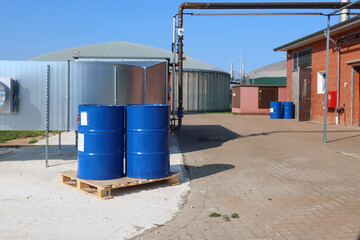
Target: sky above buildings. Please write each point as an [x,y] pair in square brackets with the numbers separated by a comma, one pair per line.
[32,28]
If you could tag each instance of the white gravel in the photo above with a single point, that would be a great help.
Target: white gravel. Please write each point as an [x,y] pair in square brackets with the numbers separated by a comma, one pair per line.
[34,205]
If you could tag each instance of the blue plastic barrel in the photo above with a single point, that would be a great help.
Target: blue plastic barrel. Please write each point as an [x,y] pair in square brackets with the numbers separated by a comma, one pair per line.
[288,110]
[100,142]
[147,141]
[275,110]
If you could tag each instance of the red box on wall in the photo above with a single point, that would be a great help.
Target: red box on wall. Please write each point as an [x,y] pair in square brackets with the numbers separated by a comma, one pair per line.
[331,103]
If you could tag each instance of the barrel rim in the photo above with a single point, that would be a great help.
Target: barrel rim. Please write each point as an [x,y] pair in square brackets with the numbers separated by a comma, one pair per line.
[148,105]
[101,105]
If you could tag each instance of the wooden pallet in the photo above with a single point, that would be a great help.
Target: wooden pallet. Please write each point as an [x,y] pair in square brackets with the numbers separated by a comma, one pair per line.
[102,189]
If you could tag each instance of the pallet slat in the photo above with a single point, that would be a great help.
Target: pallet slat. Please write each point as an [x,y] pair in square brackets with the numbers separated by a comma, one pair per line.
[102,189]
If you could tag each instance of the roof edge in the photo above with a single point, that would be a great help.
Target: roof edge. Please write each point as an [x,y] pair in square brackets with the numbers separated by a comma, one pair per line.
[319,34]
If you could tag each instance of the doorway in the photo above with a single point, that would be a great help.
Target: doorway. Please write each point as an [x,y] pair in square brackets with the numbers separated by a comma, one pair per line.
[266,95]
[304,94]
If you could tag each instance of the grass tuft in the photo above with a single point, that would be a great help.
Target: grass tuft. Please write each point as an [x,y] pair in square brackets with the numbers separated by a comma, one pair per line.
[10,135]
[214,214]
[33,141]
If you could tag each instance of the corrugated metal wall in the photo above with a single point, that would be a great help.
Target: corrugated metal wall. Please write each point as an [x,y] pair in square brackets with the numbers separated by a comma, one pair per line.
[204,91]
[31,78]
[72,84]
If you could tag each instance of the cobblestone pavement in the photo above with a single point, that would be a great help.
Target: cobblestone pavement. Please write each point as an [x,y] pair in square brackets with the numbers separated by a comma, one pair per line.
[277,175]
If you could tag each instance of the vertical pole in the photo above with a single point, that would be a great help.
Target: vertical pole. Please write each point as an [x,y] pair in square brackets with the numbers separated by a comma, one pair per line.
[352,96]
[76,138]
[115,85]
[144,85]
[47,116]
[173,68]
[180,69]
[59,150]
[327,74]
[338,85]
[167,71]
[68,97]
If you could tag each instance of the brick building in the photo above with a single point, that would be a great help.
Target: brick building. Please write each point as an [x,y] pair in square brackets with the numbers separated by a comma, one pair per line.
[306,66]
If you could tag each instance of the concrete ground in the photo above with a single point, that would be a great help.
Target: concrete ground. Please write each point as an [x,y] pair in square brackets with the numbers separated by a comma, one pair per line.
[277,175]
[34,205]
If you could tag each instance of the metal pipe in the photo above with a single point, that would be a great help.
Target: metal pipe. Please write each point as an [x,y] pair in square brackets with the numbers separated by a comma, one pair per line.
[252,14]
[262,5]
[47,116]
[338,85]
[59,150]
[327,73]
[346,6]
[269,5]
[180,65]
[68,97]
[352,96]
[173,67]
[144,76]
[115,85]
[344,14]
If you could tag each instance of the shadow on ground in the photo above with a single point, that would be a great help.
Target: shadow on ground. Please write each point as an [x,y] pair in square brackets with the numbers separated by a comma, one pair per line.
[194,172]
[30,153]
[200,137]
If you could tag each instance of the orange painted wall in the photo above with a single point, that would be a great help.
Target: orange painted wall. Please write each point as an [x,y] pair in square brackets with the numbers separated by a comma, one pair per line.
[347,53]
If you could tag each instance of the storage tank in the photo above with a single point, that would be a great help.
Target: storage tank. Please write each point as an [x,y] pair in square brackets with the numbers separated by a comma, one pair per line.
[147,141]
[100,142]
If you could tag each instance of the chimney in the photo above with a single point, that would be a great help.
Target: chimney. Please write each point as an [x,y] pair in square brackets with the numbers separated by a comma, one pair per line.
[243,70]
[232,71]
[344,14]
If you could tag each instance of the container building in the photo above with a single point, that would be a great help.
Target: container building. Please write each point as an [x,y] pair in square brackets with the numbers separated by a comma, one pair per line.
[267,84]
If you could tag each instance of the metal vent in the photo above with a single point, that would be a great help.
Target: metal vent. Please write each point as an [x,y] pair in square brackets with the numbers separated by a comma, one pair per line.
[305,58]
[295,61]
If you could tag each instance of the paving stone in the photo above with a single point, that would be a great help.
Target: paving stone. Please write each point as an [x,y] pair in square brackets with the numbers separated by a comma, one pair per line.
[277,175]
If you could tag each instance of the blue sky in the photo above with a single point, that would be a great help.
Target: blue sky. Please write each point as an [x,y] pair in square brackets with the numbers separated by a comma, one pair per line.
[32,28]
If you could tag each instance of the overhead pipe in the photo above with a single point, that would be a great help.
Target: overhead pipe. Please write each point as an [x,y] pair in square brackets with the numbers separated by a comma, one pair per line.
[259,5]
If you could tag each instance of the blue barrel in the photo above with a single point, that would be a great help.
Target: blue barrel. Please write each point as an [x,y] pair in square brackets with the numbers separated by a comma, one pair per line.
[288,110]
[275,110]
[147,141]
[100,142]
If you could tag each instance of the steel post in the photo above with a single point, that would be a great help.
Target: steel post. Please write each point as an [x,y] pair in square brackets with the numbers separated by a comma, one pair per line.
[327,74]
[47,116]
[59,150]
[352,97]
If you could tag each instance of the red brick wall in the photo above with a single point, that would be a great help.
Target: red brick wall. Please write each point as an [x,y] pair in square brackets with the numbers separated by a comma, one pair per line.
[347,53]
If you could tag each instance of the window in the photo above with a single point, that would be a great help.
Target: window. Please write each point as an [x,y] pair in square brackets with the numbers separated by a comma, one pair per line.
[302,58]
[295,61]
[321,77]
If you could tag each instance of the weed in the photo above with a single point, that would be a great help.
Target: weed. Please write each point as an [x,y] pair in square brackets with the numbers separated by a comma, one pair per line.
[234,215]
[33,141]
[9,135]
[270,199]
[214,214]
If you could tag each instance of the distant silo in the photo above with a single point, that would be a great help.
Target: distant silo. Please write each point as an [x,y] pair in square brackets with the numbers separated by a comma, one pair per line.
[205,88]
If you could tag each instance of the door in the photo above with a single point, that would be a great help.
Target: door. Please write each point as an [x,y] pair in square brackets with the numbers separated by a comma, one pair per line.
[235,101]
[266,95]
[304,94]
